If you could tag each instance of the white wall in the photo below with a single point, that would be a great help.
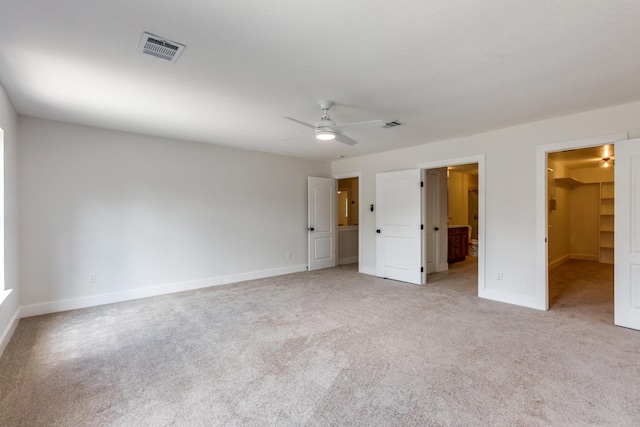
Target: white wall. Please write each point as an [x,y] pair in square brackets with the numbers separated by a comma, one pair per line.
[9,304]
[510,191]
[458,203]
[347,244]
[559,220]
[141,212]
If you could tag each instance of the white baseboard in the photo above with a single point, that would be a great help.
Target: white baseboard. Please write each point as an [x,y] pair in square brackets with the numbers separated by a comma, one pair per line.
[9,330]
[515,299]
[559,262]
[585,257]
[349,260]
[95,300]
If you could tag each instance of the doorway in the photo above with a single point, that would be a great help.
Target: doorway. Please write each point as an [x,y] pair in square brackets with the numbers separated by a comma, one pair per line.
[544,202]
[349,240]
[457,215]
[348,222]
[461,204]
[580,222]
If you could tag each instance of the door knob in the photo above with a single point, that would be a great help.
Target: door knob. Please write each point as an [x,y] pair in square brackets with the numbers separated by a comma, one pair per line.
[436,228]
[311,229]
[378,231]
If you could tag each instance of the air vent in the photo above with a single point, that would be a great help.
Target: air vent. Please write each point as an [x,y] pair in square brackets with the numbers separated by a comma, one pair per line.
[392,124]
[160,47]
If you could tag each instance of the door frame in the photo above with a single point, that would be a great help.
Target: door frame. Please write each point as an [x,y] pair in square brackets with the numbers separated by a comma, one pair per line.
[480,160]
[359,176]
[542,219]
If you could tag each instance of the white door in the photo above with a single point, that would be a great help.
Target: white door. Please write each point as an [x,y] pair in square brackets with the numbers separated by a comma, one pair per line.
[627,234]
[431,222]
[322,229]
[399,238]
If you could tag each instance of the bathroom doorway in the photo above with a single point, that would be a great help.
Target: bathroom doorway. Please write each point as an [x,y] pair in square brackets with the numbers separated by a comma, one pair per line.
[348,205]
[462,217]
[462,185]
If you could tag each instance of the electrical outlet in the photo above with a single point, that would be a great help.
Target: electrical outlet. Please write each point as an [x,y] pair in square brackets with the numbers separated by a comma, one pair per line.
[500,276]
[92,278]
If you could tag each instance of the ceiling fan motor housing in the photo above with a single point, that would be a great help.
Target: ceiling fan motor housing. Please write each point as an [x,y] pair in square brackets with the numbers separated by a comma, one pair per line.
[325,123]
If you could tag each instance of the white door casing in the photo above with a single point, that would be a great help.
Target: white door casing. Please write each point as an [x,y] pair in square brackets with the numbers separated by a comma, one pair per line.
[322,225]
[398,220]
[541,299]
[627,234]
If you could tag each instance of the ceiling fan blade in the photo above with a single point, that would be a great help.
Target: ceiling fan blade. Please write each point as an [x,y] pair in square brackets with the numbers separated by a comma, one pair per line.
[359,125]
[299,122]
[345,139]
[297,137]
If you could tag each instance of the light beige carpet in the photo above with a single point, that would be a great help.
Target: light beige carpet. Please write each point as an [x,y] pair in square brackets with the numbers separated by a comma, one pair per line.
[332,347]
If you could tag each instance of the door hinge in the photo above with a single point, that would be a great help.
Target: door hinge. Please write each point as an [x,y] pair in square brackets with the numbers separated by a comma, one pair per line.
[421,226]
[421,184]
[421,269]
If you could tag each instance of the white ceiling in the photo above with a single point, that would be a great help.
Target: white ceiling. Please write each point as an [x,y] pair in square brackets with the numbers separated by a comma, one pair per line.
[583,157]
[445,68]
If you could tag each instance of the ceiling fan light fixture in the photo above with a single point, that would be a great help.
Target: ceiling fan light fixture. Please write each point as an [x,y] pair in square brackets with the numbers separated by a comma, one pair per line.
[325,135]
[606,162]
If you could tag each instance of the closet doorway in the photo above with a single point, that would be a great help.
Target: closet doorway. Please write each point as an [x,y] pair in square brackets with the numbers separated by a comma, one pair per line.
[580,221]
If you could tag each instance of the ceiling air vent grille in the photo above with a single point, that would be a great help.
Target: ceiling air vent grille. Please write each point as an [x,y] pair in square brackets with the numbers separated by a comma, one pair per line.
[160,47]
[392,124]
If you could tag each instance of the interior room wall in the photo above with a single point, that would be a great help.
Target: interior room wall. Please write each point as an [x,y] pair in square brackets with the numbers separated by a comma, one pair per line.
[343,208]
[350,185]
[472,212]
[510,179]
[558,219]
[9,301]
[142,212]
[458,202]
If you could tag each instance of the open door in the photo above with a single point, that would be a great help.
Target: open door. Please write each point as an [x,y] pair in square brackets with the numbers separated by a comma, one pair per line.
[322,228]
[627,240]
[398,224]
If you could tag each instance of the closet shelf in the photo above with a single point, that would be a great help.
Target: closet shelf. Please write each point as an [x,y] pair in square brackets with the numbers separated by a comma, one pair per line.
[568,183]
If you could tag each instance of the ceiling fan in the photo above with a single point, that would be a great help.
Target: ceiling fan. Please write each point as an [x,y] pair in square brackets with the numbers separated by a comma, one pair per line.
[327,130]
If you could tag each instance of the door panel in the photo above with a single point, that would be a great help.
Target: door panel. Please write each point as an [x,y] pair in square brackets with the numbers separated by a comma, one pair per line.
[322,222]
[399,238]
[627,234]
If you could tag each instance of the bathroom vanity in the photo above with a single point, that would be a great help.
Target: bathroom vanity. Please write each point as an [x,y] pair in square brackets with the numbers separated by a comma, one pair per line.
[458,243]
